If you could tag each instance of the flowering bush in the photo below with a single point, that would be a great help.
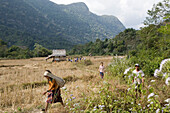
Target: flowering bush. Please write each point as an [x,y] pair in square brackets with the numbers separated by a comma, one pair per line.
[131,98]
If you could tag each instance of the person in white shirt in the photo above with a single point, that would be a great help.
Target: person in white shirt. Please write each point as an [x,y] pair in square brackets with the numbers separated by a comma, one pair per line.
[138,78]
[101,70]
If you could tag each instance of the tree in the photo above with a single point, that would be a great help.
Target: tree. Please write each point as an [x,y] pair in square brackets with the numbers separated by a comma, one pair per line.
[40,51]
[158,12]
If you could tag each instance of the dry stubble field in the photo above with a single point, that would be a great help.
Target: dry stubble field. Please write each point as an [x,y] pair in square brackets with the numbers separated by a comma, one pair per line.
[22,82]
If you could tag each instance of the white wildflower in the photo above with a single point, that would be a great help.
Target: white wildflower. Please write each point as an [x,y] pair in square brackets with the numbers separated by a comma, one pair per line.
[157,111]
[64,88]
[126,70]
[151,103]
[76,104]
[167,81]
[136,87]
[162,63]
[128,89]
[166,104]
[71,109]
[104,82]
[148,105]
[156,73]
[139,104]
[167,100]
[164,75]
[149,86]
[130,76]
[101,106]
[150,95]
[74,98]
[130,109]
[94,109]
[149,100]
[156,96]
[152,80]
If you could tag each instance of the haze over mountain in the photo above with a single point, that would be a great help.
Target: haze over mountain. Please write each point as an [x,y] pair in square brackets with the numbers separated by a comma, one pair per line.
[26,22]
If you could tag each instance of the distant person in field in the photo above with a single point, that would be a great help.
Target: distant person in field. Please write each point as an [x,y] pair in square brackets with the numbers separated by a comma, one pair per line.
[54,93]
[138,78]
[101,70]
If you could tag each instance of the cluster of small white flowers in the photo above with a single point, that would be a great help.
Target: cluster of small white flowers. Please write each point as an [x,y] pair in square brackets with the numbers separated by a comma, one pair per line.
[157,71]
[127,70]
[152,80]
[104,82]
[101,106]
[76,104]
[71,109]
[163,62]
[128,89]
[151,95]
[167,81]
[167,100]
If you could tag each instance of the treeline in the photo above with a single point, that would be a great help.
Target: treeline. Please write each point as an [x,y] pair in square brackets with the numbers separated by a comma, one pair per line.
[147,46]
[16,52]
[120,45]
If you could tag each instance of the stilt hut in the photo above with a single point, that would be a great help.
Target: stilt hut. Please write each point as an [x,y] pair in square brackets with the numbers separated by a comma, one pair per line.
[58,55]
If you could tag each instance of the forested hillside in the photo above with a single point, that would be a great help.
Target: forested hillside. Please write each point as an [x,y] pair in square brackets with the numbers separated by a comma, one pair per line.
[120,45]
[26,22]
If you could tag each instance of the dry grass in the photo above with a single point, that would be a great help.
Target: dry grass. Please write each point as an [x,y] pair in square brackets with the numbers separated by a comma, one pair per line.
[22,82]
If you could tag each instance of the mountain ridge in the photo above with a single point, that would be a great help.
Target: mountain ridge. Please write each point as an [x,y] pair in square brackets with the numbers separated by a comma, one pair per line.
[53,25]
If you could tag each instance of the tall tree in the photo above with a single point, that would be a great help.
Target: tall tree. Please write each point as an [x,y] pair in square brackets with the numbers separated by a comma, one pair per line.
[158,12]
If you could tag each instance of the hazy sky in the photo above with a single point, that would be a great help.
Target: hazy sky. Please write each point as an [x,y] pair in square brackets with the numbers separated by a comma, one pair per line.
[130,12]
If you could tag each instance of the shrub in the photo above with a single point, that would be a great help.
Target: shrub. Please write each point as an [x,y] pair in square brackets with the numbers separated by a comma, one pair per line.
[87,62]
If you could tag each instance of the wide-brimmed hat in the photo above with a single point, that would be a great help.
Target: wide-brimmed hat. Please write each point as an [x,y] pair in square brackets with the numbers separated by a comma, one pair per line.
[58,80]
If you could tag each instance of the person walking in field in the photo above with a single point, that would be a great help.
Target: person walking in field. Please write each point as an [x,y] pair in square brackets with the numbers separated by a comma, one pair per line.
[138,78]
[54,93]
[101,70]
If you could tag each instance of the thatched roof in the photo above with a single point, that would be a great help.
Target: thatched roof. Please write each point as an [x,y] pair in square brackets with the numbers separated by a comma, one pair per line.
[57,52]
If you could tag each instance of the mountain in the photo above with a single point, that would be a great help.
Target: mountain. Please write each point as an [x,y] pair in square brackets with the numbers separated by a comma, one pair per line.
[26,22]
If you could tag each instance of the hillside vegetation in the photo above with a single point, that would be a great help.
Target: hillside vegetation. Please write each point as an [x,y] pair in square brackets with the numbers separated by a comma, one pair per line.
[26,22]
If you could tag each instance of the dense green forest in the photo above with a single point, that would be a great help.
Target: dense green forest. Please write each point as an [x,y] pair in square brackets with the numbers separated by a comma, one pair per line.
[120,45]
[16,52]
[26,22]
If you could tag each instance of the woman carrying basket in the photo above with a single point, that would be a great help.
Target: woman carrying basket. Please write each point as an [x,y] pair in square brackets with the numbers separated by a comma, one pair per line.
[54,93]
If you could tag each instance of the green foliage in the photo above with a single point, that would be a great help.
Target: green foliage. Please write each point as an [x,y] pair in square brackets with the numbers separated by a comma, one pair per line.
[16,52]
[121,45]
[158,13]
[26,22]
[40,51]
[126,99]
[117,67]
[3,48]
